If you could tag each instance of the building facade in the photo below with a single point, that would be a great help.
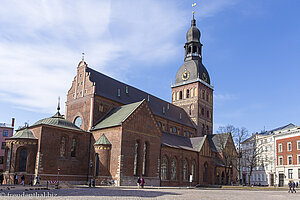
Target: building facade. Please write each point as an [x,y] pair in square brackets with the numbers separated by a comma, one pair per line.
[112,130]
[259,157]
[287,144]
[6,131]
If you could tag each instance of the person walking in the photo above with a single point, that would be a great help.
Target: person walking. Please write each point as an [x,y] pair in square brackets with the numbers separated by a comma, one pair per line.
[31,180]
[142,182]
[15,179]
[293,186]
[23,180]
[290,187]
[1,178]
[38,179]
[138,182]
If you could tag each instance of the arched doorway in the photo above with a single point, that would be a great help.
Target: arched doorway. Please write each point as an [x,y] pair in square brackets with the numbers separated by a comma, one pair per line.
[22,160]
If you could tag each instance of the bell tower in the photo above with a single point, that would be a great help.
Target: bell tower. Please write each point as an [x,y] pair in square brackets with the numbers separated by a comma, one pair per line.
[192,90]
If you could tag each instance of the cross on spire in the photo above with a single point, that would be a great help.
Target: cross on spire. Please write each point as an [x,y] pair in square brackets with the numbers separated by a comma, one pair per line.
[82,56]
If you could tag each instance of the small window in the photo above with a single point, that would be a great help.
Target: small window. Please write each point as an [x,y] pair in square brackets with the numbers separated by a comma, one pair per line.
[289,146]
[188,134]
[73,149]
[202,111]
[180,95]
[119,92]
[159,124]
[207,114]
[279,147]
[290,160]
[3,145]
[126,89]
[290,173]
[164,110]
[187,93]
[174,130]
[298,145]
[5,133]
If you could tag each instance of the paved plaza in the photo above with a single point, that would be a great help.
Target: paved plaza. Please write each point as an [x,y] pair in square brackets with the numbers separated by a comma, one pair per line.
[147,193]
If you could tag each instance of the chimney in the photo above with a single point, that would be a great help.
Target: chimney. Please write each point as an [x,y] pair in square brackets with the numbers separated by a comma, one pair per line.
[12,122]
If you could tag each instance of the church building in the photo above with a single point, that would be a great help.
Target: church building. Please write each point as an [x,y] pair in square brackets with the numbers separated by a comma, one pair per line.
[114,131]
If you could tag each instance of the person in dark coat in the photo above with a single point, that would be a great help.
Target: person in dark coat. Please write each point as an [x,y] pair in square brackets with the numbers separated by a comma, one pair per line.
[15,179]
[23,180]
[1,178]
[290,187]
[138,182]
[293,186]
[142,182]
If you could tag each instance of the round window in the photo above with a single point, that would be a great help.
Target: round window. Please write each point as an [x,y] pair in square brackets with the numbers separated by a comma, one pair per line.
[78,121]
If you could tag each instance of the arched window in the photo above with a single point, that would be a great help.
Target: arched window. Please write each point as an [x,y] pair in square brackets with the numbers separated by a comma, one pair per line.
[185,170]
[97,164]
[174,169]
[180,95]
[207,114]
[202,111]
[164,168]
[8,159]
[73,149]
[145,159]
[193,170]
[187,93]
[23,160]
[78,121]
[62,152]
[205,172]
[136,156]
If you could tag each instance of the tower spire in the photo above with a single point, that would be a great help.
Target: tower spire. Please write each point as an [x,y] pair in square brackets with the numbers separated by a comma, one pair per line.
[58,104]
[82,56]
[193,20]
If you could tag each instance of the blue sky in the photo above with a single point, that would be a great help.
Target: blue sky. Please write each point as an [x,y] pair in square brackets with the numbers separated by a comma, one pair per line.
[251,51]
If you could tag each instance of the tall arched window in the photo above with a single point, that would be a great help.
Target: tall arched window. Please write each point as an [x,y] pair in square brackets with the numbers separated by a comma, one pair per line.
[8,159]
[97,164]
[193,170]
[145,159]
[62,152]
[164,168]
[180,95]
[187,93]
[136,156]
[23,160]
[73,149]
[174,169]
[185,170]
[205,172]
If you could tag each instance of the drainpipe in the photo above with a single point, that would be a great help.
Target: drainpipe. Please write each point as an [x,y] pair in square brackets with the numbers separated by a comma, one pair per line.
[88,161]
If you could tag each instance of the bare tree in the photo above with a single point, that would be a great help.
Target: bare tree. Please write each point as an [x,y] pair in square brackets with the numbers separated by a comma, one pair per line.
[238,136]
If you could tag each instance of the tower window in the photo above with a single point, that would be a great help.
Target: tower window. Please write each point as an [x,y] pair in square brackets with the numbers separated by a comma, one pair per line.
[180,95]
[187,93]
[202,111]
[207,113]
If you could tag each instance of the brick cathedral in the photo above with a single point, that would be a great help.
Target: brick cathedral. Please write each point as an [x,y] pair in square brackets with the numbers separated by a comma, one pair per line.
[113,131]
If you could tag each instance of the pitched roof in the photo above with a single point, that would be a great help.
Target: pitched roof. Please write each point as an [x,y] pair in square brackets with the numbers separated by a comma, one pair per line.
[108,88]
[23,134]
[117,115]
[102,140]
[57,120]
[218,141]
[290,125]
[180,142]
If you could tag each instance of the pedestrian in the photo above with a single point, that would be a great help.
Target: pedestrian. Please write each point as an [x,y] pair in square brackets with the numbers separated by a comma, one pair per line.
[23,180]
[1,178]
[38,179]
[142,182]
[138,182]
[290,187]
[293,186]
[31,180]
[15,179]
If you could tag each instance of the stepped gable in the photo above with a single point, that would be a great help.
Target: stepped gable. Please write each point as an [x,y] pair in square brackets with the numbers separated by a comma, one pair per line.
[108,87]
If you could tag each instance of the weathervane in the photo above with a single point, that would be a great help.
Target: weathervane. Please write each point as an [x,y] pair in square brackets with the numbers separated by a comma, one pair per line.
[193,5]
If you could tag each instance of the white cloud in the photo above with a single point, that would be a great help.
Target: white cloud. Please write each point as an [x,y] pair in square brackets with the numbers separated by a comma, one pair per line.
[41,42]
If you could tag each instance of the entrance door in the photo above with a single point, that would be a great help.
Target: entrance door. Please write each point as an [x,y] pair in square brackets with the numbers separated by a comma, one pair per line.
[272,179]
[281,180]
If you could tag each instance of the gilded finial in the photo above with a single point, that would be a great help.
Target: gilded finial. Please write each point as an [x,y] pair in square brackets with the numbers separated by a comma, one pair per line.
[193,5]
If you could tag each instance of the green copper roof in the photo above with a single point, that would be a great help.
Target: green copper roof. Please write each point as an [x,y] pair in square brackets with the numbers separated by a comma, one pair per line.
[23,134]
[118,115]
[102,140]
[57,120]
